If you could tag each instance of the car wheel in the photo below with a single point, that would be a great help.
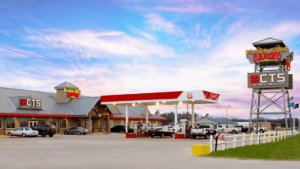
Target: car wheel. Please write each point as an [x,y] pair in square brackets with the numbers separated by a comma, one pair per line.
[66,133]
[162,135]
[78,133]
[261,131]
[50,135]
[171,135]
[9,134]
[23,135]
[205,136]
[194,136]
[233,132]
[152,136]
[43,134]
[84,133]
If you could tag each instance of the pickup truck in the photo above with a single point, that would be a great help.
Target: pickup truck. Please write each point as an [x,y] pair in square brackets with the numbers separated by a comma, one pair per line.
[202,131]
[150,126]
[160,131]
[233,130]
[260,129]
[244,128]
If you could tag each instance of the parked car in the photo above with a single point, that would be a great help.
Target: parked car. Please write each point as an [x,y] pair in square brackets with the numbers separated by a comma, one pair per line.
[23,131]
[121,129]
[76,130]
[45,129]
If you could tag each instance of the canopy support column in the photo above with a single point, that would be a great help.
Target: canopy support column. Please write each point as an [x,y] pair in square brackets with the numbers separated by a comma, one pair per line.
[126,122]
[146,117]
[193,117]
[175,121]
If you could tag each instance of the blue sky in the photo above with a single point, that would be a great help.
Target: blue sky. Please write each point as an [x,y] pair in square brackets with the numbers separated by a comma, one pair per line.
[113,47]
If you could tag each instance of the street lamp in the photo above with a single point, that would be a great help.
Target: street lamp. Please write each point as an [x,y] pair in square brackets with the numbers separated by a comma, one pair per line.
[226,114]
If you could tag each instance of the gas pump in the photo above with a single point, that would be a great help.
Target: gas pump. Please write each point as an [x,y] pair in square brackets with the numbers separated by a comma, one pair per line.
[137,128]
[184,126]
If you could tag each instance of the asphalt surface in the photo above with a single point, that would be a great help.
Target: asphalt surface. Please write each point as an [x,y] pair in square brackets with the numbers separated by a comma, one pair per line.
[114,151]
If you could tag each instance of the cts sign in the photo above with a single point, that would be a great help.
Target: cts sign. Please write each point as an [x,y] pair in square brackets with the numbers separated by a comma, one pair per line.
[268,80]
[29,103]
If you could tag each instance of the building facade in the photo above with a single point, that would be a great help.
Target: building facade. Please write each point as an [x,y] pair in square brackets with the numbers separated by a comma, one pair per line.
[65,109]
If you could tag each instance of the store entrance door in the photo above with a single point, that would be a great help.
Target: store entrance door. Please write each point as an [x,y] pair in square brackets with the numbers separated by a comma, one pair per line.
[32,123]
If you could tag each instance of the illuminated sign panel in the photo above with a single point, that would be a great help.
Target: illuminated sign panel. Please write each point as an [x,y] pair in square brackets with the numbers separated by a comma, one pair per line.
[268,80]
[72,93]
[29,103]
[267,55]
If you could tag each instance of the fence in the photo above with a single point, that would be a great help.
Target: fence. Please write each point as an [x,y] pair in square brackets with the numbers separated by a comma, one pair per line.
[264,137]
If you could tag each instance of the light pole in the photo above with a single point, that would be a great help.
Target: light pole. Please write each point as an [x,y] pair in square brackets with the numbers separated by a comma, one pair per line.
[226,115]
[226,125]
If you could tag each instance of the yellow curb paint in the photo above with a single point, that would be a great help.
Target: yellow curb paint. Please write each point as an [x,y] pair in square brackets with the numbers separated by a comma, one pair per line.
[200,150]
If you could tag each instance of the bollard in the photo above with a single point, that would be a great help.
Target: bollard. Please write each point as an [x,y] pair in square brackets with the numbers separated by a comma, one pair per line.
[201,149]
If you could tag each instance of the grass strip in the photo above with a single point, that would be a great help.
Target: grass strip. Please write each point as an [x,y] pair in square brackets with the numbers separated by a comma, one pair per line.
[286,149]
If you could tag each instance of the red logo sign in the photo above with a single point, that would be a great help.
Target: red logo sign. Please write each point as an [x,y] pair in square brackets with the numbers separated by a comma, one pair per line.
[189,95]
[23,102]
[72,95]
[254,79]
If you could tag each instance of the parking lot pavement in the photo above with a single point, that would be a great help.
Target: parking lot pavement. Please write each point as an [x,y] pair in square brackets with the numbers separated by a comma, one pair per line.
[114,151]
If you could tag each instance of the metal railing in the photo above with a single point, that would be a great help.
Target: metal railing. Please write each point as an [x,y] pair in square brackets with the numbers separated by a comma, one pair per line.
[260,138]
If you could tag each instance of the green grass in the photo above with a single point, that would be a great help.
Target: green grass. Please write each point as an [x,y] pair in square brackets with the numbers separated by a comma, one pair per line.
[286,149]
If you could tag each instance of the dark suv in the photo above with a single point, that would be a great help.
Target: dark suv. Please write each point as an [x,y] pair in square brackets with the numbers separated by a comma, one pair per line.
[45,129]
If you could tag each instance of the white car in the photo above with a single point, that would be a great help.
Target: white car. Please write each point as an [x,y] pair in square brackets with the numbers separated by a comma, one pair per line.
[23,131]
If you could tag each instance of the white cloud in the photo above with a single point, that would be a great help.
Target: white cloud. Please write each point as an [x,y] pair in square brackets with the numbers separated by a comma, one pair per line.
[144,34]
[156,22]
[6,51]
[92,44]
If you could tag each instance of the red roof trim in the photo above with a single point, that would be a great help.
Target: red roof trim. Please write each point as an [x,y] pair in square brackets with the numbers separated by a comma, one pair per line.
[141,96]
[211,96]
[35,115]
[134,118]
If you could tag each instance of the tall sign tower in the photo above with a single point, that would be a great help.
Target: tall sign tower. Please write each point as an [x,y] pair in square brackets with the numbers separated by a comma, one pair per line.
[270,81]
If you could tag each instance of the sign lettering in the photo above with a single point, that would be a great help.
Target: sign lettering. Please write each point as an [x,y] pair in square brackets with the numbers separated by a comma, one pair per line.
[268,80]
[29,103]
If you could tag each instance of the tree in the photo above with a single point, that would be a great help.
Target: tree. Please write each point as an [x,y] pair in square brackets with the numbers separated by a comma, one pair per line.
[157,112]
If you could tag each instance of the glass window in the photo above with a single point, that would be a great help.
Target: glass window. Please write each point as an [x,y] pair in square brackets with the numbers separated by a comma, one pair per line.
[41,122]
[27,129]
[53,121]
[10,123]
[63,123]
[23,123]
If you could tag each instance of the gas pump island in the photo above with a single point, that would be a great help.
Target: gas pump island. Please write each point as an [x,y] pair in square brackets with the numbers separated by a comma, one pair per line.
[161,98]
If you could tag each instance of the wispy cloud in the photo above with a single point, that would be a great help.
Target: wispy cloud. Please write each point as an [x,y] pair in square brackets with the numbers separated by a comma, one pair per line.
[6,51]
[143,33]
[199,7]
[94,44]
[156,22]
